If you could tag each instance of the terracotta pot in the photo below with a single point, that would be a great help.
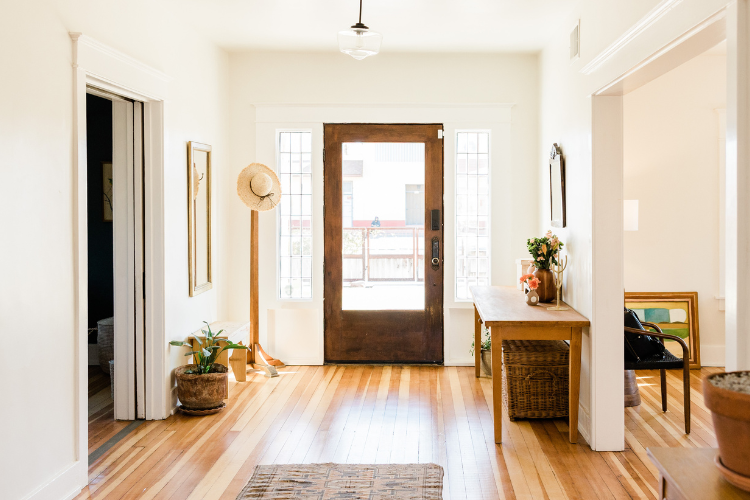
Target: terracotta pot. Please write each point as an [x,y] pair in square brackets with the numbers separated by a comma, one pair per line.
[546,290]
[532,298]
[486,357]
[730,412]
[201,391]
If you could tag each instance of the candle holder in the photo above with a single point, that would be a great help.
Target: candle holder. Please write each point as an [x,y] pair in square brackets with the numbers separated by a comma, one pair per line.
[558,269]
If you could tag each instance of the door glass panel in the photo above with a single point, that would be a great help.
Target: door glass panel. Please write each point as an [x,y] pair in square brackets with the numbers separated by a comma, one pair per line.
[383,220]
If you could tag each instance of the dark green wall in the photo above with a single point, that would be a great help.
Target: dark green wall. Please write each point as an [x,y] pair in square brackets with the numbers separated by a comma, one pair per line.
[100,244]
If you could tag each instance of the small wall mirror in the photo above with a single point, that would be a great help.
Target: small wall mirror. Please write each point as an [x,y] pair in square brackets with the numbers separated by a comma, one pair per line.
[557,187]
[199,217]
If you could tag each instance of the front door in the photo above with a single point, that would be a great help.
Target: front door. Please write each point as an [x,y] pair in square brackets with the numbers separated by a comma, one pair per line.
[384,257]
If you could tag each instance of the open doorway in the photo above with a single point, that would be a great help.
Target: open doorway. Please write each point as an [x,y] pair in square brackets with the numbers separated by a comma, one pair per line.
[115,296]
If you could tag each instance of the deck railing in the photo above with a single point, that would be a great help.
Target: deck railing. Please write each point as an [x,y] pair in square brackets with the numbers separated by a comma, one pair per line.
[383,254]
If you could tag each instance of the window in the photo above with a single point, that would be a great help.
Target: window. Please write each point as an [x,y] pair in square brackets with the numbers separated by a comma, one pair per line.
[472,211]
[295,215]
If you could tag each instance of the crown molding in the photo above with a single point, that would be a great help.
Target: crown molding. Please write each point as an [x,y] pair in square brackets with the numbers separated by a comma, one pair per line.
[86,41]
[642,25]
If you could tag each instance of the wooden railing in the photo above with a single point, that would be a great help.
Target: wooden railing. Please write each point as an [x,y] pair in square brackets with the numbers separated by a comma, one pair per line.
[383,254]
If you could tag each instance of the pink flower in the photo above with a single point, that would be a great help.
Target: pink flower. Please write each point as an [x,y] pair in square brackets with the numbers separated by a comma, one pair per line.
[549,234]
[534,283]
[540,258]
[525,277]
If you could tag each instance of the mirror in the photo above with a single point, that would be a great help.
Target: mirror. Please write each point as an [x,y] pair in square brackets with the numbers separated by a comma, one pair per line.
[557,187]
[199,217]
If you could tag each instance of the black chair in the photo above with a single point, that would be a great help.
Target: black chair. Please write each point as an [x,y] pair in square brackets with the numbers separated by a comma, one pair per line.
[663,362]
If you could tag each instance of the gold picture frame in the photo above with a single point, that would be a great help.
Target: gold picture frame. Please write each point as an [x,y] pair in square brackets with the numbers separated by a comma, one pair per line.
[676,313]
[199,217]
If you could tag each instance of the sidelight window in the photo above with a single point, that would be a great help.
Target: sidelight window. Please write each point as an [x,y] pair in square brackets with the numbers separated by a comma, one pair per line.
[472,211]
[295,215]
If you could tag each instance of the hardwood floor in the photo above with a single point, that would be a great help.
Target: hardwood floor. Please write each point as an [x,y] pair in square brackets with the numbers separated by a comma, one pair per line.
[379,414]
[102,423]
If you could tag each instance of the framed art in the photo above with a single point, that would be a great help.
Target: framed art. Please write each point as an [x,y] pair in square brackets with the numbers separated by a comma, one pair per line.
[107,190]
[199,217]
[676,313]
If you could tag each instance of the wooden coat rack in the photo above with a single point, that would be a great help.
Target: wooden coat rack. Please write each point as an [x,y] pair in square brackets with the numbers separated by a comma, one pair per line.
[257,357]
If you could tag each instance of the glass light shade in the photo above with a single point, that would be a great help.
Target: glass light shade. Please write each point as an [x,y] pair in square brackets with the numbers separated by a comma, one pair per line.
[359,42]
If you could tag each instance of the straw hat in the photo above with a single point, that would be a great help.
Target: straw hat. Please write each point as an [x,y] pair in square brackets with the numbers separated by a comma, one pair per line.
[196,182]
[258,187]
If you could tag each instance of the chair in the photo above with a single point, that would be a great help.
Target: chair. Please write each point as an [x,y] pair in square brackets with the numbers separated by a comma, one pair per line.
[667,361]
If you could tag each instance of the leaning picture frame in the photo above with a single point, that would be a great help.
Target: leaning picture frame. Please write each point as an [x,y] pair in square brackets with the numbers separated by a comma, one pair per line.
[676,313]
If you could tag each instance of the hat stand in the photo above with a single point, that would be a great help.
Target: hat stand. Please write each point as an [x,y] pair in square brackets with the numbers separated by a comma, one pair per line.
[257,357]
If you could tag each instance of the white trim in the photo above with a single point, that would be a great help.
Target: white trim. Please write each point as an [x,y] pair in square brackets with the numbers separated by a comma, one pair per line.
[64,486]
[645,22]
[94,64]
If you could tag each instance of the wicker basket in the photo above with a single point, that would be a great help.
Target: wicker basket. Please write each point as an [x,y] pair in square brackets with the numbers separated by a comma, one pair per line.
[535,378]
[105,339]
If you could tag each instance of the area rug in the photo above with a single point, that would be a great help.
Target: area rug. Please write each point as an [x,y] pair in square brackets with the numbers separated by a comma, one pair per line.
[345,482]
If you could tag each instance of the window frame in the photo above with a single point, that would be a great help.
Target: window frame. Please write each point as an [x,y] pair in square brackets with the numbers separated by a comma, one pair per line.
[277,149]
[455,208]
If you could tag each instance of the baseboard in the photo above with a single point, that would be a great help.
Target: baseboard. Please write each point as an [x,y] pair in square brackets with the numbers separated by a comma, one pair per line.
[65,486]
[584,424]
[713,355]
[93,354]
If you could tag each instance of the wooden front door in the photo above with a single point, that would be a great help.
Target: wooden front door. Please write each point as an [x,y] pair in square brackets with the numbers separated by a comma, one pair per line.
[383,285]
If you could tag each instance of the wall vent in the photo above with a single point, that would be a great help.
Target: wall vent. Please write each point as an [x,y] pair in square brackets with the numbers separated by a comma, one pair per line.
[575,42]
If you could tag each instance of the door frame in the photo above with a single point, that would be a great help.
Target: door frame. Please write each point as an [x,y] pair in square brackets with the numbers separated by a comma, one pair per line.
[100,66]
[430,319]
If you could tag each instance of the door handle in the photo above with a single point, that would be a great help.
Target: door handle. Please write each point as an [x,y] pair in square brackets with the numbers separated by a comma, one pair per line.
[435,252]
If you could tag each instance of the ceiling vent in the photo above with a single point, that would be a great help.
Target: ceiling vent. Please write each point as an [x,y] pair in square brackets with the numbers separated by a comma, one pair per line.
[575,42]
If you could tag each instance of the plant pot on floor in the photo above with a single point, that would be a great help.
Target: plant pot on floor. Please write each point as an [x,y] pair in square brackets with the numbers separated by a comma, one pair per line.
[730,412]
[486,364]
[201,391]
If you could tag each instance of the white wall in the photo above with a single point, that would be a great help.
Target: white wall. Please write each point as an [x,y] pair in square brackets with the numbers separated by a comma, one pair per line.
[566,118]
[36,298]
[671,130]
[428,80]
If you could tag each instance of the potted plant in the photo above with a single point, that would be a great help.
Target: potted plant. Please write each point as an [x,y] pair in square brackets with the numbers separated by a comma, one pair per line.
[544,251]
[532,283]
[203,384]
[727,395]
[485,353]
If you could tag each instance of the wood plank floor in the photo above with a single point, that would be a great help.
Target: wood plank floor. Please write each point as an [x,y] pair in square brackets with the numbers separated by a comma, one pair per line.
[102,423]
[380,414]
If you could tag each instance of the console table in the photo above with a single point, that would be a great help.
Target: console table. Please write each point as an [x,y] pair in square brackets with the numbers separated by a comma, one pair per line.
[690,474]
[504,311]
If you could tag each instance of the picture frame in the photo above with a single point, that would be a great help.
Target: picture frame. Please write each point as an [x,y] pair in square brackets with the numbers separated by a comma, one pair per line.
[676,313]
[199,218]
[557,187]
[107,190]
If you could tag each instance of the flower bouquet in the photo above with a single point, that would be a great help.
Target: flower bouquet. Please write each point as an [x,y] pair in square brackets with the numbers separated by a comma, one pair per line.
[544,250]
[531,281]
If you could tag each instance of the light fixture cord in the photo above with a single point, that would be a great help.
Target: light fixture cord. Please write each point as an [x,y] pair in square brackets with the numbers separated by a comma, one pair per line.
[360,11]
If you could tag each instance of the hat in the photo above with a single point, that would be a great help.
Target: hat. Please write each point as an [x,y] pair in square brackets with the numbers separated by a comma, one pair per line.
[196,182]
[258,187]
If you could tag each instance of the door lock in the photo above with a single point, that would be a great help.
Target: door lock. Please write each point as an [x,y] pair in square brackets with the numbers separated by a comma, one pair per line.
[435,252]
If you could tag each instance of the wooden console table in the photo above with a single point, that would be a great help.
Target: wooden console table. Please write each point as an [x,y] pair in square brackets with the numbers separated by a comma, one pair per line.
[690,474]
[504,311]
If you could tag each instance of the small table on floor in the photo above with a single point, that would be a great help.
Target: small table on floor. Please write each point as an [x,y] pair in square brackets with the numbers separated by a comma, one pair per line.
[504,311]
[690,474]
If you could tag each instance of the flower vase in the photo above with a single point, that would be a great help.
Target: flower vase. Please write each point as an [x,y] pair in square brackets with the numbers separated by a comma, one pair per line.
[546,290]
[532,298]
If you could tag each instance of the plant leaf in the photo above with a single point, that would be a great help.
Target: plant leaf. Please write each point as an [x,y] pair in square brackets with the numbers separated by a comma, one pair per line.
[199,340]
[180,343]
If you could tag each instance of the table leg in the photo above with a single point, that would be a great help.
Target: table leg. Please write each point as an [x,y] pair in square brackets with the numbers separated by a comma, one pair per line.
[238,360]
[477,341]
[574,378]
[497,382]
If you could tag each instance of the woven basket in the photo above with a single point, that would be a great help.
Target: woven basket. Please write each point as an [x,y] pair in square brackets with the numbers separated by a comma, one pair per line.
[535,378]
[105,340]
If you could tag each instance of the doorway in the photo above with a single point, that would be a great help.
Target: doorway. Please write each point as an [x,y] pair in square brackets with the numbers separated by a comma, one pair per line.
[383,218]
[116,273]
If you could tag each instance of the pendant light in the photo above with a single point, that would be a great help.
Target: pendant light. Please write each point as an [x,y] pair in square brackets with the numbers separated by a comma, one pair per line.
[359,42]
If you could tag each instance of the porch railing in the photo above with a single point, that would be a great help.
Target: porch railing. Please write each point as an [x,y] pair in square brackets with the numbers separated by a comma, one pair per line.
[383,254]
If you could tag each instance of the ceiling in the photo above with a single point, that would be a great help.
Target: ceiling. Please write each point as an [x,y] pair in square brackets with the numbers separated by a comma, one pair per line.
[406,25]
